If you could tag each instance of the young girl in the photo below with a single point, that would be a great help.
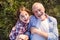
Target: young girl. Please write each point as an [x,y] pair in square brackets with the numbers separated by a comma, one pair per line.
[19,30]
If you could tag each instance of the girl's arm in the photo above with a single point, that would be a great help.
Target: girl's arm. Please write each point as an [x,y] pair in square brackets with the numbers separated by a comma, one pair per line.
[13,33]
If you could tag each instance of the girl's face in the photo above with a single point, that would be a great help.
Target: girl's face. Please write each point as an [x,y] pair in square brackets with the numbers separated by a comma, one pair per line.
[24,17]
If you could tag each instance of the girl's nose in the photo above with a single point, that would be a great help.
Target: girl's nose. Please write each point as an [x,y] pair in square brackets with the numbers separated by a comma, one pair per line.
[25,17]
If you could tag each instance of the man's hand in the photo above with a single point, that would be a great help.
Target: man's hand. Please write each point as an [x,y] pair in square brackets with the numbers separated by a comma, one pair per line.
[39,32]
[22,36]
[34,30]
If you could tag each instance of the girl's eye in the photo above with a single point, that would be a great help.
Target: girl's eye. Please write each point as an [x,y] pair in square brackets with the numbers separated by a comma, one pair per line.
[26,14]
[22,16]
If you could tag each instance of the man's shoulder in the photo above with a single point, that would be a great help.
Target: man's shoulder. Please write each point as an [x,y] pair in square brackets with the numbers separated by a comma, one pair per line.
[52,18]
[32,17]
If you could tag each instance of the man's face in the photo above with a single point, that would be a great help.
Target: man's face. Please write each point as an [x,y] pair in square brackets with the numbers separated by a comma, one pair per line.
[38,10]
[24,17]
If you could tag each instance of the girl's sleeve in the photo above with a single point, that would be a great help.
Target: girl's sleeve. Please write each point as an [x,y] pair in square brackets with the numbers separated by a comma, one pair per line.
[12,34]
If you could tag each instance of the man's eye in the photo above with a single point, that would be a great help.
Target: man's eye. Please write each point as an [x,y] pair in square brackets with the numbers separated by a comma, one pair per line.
[35,11]
[39,10]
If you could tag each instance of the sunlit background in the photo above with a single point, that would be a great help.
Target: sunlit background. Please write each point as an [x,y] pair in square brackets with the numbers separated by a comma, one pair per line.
[8,11]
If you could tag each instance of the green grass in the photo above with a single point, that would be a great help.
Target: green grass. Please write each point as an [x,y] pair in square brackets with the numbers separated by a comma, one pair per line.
[59,28]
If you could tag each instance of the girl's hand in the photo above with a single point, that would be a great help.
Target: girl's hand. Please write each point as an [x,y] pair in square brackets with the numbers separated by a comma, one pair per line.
[22,36]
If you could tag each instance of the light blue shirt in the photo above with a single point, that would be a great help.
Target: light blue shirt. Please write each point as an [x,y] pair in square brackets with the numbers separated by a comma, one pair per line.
[52,32]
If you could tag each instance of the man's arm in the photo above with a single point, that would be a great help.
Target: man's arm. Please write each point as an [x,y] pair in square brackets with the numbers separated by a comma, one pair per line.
[38,31]
[51,35]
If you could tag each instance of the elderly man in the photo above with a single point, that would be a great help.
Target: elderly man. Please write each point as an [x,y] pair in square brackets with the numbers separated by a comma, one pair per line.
[41,25]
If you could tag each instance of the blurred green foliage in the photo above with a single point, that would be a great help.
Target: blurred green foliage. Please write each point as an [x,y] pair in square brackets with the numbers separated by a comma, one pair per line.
[8,11]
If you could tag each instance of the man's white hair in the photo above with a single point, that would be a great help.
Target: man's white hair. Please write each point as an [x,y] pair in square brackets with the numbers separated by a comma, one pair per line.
[37,3]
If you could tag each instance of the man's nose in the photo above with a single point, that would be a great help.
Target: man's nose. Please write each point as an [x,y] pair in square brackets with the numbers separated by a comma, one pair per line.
[38,12]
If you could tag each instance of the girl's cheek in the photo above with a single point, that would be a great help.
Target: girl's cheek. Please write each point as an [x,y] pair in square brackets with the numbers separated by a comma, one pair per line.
[21,19]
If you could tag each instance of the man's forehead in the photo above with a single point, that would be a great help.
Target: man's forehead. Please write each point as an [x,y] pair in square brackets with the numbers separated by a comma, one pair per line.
[37,6]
